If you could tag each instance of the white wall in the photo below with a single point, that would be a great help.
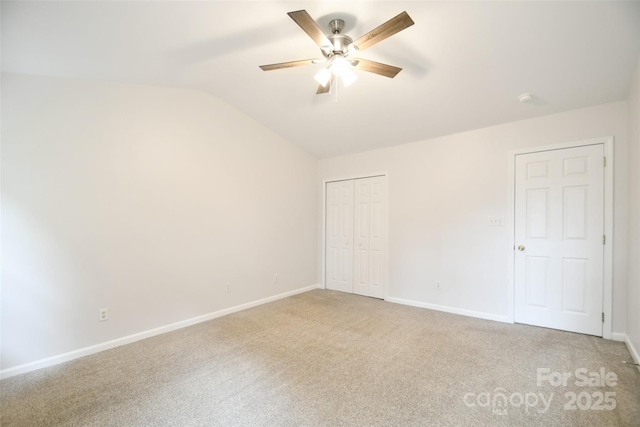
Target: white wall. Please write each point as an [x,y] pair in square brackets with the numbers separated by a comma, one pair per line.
[633,289]
[442,190]
[146,201]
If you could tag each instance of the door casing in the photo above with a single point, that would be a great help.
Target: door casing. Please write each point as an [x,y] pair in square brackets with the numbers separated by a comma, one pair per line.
[607,298]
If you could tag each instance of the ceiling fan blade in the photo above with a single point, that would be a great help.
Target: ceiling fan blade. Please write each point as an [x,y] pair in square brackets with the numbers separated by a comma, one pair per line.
[290,64]
[327,88]
[311,27]
[323,89]
[376,67]
[389,28]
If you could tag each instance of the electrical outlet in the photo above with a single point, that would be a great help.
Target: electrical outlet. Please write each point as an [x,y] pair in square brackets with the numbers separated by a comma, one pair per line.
[227,287]
[103,314]
[275,277]
[496,221]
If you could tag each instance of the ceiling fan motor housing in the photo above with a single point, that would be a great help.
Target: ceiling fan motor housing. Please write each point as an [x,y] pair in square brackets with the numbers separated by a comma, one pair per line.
[339,41]
[340,44]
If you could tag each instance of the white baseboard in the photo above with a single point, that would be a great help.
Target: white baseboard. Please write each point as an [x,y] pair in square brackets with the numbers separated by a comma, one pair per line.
[632,350]
[75,354]
[618,336]
[452,310]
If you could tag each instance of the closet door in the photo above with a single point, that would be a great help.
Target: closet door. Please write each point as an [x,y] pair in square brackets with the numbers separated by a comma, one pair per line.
[369,221]
[339,236]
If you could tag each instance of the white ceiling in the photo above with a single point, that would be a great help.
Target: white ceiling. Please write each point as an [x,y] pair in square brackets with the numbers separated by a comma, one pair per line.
[464,63]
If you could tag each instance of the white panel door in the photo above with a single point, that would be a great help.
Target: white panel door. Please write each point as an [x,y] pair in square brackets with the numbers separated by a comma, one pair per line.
[369,224]
[339,236]
[559,232]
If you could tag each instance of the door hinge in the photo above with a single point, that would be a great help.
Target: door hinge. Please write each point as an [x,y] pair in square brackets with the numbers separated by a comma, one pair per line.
[604,239]
[604,161]
[602,317]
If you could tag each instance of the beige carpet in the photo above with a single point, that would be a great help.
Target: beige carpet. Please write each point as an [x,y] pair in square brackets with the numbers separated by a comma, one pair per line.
[331,359]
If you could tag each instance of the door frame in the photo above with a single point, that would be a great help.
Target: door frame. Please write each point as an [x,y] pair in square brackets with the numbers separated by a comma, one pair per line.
[607,297]
[385,258]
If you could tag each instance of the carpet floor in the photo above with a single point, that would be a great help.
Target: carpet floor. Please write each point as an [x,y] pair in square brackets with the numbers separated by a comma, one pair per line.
[326,358]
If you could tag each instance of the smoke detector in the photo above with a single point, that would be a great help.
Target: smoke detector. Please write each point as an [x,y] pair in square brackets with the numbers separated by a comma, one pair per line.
[525,98]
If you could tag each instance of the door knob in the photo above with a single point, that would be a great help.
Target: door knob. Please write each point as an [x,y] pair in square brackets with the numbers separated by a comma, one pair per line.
[521,248]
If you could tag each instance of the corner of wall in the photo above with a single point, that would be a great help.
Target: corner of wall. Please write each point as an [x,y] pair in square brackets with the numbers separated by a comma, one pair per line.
[633,243]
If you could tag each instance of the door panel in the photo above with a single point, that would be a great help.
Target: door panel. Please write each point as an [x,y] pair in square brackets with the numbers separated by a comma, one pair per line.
[559,225]
[339,269]
[574,206]
[362,265]
[537,213]
[377,236]
[574,285]
[537,281]
[369,242]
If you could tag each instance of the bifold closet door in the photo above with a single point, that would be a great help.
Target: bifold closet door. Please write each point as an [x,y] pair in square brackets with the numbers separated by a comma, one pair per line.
[355,233]
[339,236]
[368,262]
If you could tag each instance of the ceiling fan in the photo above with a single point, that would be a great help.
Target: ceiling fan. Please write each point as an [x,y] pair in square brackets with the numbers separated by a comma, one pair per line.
[338,49]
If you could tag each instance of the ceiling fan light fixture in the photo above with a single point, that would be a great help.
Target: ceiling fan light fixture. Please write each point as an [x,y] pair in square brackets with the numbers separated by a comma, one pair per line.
[348,77]
[323,76]
[342,69]
[339,64]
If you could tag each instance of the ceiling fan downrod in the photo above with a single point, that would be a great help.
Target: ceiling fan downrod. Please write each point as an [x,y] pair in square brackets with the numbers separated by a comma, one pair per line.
[336,26]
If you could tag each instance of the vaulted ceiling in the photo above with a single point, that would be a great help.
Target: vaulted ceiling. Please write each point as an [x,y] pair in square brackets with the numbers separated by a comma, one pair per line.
[464,63]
